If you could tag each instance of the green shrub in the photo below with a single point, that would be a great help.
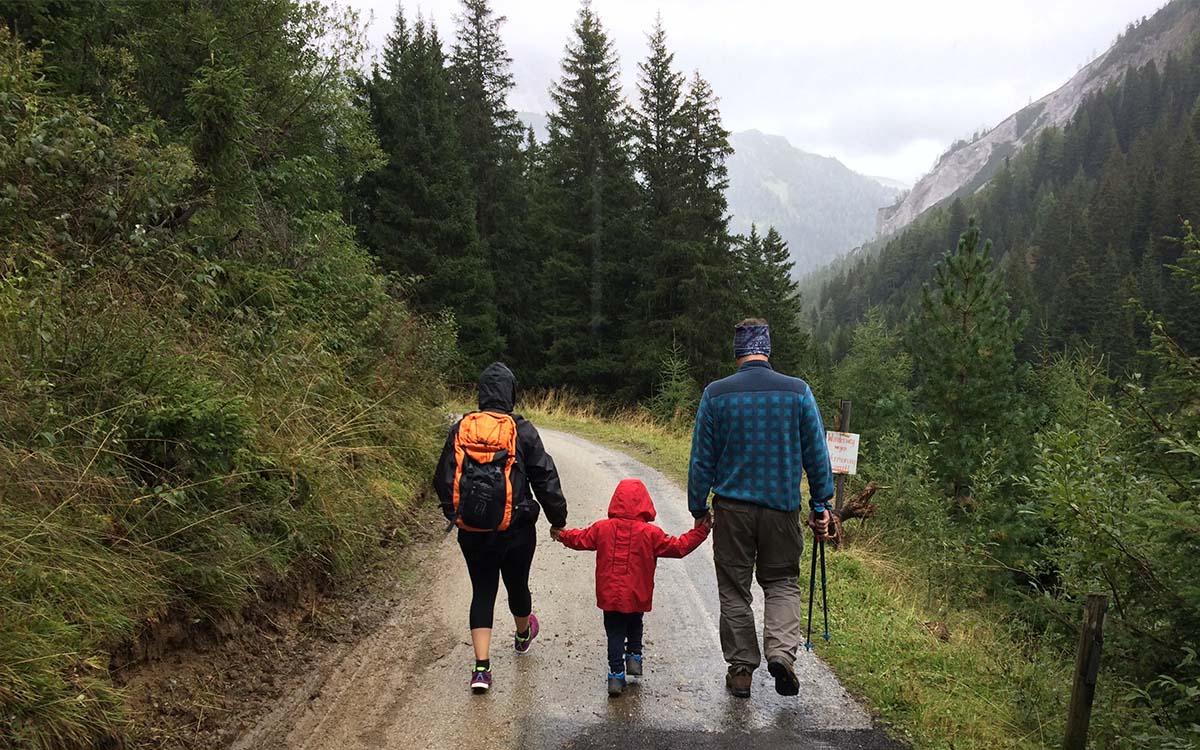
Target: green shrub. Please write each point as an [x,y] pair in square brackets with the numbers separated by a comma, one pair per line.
[677,395]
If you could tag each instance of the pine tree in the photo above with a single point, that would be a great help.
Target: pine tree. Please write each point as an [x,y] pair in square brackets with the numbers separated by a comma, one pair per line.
[491,136]
[875,376]
[658,147]
[962,341]
[659,126]
[767,290]
[589,280]
[416,213]
[489,132]
[708,287]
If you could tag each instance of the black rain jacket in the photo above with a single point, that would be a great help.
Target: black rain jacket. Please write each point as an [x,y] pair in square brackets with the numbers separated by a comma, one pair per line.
[534,470]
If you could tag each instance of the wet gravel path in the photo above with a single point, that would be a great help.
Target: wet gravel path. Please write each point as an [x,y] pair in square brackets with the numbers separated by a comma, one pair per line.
[405,685]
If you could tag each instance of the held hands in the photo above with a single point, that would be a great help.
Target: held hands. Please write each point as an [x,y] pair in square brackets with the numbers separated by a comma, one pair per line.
[705,520]
[555,533]
[822,525]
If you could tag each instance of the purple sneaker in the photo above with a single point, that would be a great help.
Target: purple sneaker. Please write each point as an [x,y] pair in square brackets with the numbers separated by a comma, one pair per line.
[522,645]
[481,680]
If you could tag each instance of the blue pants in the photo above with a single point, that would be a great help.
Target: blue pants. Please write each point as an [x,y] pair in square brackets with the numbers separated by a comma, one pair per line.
[624,631]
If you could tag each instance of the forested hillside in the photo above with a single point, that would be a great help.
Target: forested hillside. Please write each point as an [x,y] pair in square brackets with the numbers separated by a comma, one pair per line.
[1082,221]
[1024,366]
[970,163]
[207,391]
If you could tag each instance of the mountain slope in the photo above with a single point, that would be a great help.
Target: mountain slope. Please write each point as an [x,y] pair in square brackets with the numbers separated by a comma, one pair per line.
[967,166]
[1082,221]
[819,205]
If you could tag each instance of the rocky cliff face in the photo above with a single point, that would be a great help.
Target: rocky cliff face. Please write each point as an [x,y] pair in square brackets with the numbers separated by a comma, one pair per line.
[968,166]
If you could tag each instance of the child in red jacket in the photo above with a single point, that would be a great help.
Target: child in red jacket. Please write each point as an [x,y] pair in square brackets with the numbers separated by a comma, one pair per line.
[627,549]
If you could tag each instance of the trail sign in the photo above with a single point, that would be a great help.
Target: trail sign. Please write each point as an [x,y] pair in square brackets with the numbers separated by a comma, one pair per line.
[843,451]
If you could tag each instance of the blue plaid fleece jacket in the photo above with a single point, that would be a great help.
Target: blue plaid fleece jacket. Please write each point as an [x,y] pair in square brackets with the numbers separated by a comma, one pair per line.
[755,431]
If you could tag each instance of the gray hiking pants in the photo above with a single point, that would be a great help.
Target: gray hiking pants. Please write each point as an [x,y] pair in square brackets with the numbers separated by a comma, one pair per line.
[749,539]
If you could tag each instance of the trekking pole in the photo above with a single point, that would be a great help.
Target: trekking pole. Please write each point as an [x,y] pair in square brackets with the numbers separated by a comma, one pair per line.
[812,590]
[824,601]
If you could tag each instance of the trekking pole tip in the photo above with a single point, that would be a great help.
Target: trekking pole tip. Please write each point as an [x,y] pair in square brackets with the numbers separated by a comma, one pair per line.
[808,645]
[826,636]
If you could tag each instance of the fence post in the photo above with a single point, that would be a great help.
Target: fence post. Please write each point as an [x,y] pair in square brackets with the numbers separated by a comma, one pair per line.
[1087,669]
[839,480]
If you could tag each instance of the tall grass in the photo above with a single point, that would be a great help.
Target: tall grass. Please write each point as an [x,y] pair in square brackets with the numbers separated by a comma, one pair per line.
[231,473]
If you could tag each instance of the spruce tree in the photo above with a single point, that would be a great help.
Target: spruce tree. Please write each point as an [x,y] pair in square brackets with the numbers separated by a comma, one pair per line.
[659,127]
[658,146]
[690,291]
[767,290]
[520,276]
[700,241]
[489,131]
[963,341]
[589,281]
[490,137]
[416,213]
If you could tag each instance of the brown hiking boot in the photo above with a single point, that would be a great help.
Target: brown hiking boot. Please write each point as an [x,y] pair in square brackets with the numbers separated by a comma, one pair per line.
[737,681]
[786,682]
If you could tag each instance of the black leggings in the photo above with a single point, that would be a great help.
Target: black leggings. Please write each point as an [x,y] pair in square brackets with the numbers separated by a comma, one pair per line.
[624,632]
[489,556]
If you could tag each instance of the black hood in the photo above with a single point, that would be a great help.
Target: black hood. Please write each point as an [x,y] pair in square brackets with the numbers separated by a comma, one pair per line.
[497,388]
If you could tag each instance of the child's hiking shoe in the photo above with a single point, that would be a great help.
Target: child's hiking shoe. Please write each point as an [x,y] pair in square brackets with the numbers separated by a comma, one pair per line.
[633,665]
[522,645]
[481,680]
[786,681]
[616,684]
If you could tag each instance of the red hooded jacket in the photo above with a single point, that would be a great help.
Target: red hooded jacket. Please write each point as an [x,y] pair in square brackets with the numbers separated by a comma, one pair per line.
[627,548]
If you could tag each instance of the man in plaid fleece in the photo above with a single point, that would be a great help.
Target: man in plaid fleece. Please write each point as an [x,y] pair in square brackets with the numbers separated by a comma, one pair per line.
[757,431]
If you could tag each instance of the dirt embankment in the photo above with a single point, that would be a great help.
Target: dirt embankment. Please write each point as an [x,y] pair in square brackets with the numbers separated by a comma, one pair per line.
[193,686]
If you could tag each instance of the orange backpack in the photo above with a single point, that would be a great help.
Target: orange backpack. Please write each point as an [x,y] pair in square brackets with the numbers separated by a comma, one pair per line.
[485,450]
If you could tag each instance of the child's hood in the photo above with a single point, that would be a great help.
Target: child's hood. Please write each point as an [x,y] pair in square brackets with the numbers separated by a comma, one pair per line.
[631,500]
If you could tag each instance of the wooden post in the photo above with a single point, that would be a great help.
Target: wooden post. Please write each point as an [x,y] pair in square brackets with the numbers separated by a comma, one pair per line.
[1087,669]
[839,480]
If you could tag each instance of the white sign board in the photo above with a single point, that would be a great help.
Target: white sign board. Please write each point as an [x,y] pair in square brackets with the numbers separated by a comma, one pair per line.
[843,452]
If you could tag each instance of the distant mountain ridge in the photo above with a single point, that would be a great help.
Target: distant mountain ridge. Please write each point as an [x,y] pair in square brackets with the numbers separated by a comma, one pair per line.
[967,166]
[821,207]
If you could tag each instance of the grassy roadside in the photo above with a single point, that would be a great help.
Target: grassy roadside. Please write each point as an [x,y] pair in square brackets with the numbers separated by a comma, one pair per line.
[937,677]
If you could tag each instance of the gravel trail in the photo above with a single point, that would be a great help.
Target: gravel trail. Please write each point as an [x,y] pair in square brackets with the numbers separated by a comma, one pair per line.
[405,685]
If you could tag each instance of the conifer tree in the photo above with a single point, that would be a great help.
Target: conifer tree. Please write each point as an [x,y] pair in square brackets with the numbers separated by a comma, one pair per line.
[962,341]
[416,213]
[589,281]
[490,136]
[658,145]
[659,126]
[875,376]
[489,132]
[767,290]
[708,285]
[705,175]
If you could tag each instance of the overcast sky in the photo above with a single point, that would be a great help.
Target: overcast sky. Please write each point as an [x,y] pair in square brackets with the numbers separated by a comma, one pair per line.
[884,86]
